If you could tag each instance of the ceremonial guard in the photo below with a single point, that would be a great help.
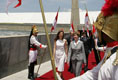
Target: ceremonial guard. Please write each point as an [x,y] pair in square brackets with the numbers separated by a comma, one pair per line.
[33,45]
[107,27]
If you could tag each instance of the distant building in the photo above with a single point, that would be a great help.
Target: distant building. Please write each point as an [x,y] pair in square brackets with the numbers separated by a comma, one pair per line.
[63,17]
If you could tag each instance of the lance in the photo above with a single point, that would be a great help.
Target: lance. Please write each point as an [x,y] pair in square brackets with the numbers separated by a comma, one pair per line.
[48,40]
[87,12]
[41,61]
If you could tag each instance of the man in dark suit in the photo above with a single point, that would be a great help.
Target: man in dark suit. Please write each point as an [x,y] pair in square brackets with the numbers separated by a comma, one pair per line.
[69,38]
[86,41]
[97,55]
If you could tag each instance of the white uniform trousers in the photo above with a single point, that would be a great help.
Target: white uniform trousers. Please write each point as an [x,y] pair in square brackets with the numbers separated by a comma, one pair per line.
[32,56]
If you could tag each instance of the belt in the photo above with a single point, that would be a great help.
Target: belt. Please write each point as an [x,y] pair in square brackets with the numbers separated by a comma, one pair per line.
[33,49]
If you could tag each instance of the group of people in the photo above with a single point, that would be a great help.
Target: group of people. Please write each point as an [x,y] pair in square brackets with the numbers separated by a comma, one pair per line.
[107,28]
[75,49]
[70,50]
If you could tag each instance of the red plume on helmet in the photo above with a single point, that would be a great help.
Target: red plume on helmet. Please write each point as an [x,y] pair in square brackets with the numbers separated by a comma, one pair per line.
[110,7]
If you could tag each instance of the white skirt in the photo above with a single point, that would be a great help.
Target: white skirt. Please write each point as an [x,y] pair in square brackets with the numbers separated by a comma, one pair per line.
[59,61]
[32,56]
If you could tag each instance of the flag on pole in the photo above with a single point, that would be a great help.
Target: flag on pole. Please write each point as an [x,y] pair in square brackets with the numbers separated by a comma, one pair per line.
[9,2]
[55,22]
[87,32]
[19,3]
[94,32]
[86,20]
[93,29]
[72,28]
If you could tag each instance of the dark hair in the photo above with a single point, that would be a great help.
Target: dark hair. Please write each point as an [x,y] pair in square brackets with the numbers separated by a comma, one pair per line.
[83,33]
[31,33]
[57,36]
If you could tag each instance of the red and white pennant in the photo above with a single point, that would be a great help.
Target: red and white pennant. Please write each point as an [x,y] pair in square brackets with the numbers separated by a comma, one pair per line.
[55,22]
[72,28]
[9,2]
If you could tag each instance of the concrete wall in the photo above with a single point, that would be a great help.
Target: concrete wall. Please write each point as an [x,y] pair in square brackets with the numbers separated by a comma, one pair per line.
[27,27]
[14,53]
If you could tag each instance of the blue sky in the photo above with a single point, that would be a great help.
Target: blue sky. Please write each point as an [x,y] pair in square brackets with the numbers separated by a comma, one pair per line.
[51,5]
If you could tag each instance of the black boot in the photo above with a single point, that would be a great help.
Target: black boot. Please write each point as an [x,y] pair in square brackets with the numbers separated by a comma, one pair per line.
[31,71]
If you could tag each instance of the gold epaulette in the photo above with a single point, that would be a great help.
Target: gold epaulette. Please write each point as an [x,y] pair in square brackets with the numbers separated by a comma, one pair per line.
[116,60]
[106,57]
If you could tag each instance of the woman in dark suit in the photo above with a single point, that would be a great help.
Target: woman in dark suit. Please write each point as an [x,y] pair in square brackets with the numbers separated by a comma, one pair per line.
[76,54]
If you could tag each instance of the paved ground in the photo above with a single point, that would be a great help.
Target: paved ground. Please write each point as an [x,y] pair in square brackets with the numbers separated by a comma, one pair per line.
[22,75]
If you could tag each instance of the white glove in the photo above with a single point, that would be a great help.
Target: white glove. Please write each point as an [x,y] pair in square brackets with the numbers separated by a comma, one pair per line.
[44,46]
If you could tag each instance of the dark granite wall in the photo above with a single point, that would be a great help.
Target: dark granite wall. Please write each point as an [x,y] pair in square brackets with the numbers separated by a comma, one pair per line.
[14,53]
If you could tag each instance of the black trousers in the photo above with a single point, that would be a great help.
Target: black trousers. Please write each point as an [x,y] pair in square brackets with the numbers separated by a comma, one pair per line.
[86,67]
[97,55]
[70,67]
[31,70]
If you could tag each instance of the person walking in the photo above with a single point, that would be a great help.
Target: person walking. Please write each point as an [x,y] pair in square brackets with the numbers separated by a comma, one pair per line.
[60,52]
[86,42]
[76,54]
[107,27]
[69,39]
